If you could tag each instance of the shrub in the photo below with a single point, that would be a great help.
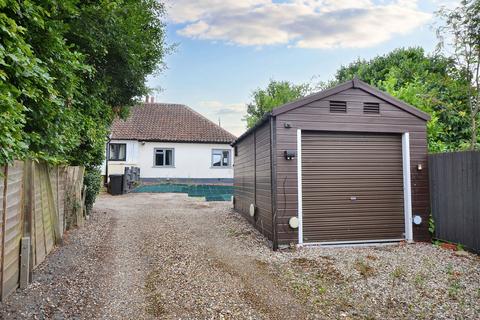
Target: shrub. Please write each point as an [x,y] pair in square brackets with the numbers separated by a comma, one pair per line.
[92,181]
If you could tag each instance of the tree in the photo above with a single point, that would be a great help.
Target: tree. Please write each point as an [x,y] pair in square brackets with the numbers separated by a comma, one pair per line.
[67,68]
[276,94]
[428,82]
[461,33]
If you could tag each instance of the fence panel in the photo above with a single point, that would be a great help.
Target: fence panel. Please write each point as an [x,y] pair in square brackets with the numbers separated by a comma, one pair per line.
[3,189]
[73,197]
[33,204]
[455,197]
[13,219]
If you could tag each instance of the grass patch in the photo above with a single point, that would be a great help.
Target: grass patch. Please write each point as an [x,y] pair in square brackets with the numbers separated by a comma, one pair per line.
[419,280]
[399,273]
[365,269]
[261,264]
[234,233]
[372,257]
[454,289]
[305,262]
[155,303]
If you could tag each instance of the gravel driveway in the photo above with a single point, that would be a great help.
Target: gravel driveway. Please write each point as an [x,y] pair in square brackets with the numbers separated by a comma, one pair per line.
[145,256]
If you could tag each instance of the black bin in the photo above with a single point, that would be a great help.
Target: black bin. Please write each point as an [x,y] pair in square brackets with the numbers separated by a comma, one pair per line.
[115,186]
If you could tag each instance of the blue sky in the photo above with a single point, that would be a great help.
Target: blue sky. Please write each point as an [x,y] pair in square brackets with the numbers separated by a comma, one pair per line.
[226,49]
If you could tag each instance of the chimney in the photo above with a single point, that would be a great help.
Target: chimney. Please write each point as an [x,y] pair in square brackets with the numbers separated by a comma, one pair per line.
[146,98]
[151,99]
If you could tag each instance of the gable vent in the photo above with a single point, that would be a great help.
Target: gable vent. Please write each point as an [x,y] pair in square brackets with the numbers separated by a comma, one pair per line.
[371,107]
[338,106]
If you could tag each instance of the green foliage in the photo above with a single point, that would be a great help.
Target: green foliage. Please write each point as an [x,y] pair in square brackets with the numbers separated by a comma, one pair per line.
[93,181]
[460,32]
[276,94]
[430,83]
[431,225]
[67,68]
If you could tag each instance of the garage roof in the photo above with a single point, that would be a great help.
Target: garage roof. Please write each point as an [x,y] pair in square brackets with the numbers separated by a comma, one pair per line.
[354,83]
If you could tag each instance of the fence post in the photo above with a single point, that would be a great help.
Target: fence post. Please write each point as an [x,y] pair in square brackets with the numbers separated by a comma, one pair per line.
[4,222]
[25,262]
[79,187]
[29,198]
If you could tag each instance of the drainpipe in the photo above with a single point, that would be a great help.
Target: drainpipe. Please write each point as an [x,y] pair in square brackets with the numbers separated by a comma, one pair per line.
[107,156]
[273,179]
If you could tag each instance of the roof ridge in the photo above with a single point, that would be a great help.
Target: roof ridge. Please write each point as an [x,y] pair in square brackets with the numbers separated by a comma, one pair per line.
[216,125]
[161,103]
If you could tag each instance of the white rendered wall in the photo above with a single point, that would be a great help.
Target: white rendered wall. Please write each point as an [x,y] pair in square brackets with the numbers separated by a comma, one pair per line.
[191,160]
[131,158]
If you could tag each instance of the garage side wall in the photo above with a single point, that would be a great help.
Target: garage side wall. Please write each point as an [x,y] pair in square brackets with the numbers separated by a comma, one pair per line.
[252,179]
[317,116]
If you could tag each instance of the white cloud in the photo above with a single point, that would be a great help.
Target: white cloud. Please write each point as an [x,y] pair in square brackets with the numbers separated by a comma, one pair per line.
[229,114]
[300,23]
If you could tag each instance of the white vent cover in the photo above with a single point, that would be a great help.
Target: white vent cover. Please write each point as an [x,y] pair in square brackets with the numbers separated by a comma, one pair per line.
[417,220]
[293,222]
[252,210]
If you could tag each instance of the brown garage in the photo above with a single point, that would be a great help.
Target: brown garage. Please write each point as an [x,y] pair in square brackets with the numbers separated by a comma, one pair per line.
[345,165]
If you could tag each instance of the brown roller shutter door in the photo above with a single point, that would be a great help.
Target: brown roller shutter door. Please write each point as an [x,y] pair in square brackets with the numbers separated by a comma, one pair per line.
[352,187]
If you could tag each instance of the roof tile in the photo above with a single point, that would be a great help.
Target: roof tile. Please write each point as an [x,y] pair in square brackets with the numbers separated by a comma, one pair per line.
[168,122]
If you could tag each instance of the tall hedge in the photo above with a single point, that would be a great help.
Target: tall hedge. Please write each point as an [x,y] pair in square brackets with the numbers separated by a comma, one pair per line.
[67,68]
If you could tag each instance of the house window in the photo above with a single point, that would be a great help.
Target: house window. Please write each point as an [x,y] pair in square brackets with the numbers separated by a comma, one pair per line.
[117,152]
[220,158]
[163,158]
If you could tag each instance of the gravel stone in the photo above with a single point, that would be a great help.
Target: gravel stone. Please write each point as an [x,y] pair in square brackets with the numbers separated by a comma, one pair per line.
[168,256]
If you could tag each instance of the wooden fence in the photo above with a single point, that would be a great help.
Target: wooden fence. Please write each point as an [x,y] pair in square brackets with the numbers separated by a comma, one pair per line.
[455,197]
[38,202]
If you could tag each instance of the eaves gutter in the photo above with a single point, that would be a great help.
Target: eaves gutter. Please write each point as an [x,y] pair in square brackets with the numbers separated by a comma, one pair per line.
[175,141]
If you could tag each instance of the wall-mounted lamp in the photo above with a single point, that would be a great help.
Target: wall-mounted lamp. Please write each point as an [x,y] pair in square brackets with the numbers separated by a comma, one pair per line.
[419,167]
[287,125]
[142,142]
[289,154]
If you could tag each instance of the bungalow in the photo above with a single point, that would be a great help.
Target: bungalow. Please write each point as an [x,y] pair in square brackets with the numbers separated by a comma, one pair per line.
[171,142]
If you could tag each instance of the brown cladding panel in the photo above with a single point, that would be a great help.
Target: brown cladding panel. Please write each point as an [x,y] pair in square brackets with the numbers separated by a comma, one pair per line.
[243,175]
[252,179]
[316,116]
[352,186]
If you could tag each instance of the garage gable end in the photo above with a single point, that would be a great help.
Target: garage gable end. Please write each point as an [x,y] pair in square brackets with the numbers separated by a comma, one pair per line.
[353,108]
[358,90]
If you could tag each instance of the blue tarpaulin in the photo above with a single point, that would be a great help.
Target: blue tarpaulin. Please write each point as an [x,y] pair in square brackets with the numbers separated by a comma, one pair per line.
[209,192]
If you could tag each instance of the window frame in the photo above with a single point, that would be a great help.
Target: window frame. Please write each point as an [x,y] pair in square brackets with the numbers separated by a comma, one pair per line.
[172,165]
[110,152]
[221,162]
